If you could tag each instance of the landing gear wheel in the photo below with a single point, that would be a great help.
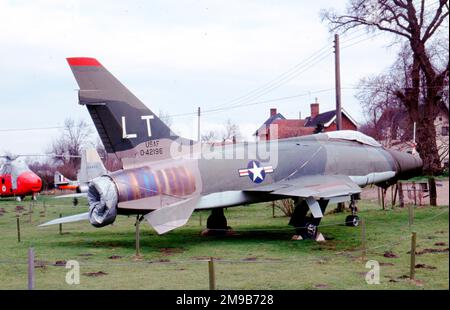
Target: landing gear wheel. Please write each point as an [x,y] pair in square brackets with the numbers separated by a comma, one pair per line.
[216,225]
[352,220]
[308,230]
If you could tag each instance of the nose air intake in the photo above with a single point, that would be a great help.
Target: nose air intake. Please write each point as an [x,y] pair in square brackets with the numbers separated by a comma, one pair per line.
[408,165]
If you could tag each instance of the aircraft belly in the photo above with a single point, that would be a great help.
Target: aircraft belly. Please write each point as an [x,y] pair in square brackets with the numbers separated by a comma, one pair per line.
[229,199]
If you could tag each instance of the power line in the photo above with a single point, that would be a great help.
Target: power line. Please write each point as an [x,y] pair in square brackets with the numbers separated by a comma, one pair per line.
[36,128]
[282,81]
[279,81]
[276,80]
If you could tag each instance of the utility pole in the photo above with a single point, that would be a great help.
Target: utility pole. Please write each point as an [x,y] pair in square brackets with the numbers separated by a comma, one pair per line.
[198,125]
[337,69]
[337,74]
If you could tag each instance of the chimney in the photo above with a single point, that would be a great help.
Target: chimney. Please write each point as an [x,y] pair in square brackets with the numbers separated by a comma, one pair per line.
[314,109]
[273,111]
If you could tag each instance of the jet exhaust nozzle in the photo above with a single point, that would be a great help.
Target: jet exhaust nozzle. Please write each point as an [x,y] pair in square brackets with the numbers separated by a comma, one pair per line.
[103,199]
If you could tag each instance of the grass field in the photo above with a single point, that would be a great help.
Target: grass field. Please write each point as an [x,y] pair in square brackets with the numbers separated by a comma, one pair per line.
[260,256]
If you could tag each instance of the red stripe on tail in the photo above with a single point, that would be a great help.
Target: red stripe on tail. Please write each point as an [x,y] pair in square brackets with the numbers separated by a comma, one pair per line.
[83,61]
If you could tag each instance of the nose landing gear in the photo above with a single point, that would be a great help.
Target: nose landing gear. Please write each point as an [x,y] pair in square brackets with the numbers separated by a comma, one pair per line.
[352,220]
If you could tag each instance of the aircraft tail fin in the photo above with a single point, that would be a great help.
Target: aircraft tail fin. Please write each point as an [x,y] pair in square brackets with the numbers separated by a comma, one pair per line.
[122,120]
[60,179]
[91,166]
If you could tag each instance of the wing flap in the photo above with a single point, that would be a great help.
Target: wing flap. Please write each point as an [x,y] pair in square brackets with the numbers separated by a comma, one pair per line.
[172,216]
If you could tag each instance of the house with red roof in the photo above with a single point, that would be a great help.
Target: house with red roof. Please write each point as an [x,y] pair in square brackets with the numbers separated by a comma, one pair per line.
[278,127]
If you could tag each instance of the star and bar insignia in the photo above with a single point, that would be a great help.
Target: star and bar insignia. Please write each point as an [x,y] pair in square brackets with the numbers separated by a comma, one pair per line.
[255,171]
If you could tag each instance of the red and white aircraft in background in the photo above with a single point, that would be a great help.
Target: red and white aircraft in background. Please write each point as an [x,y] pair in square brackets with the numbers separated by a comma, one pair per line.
[17,179]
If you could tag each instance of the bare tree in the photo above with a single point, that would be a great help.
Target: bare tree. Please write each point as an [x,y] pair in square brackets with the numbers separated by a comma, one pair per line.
[231,131]
[417,23]
[111,162]
[68,146]
[387,117]
[209,137]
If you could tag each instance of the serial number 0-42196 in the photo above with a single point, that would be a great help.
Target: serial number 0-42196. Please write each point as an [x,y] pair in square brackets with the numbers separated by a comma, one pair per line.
[152,148]
[246,299]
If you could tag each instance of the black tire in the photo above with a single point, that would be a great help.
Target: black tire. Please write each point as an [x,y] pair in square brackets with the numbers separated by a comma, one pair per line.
[217,222]
[308,230]
[352,221]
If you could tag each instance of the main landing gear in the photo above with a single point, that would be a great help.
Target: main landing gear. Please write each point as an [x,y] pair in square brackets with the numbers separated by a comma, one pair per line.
[216,225]
[352,220]
[306,227]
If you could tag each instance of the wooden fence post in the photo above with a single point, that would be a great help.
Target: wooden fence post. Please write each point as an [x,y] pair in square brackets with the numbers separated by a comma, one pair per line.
[212,274]
[378,193]
[18,228]
[400,195]
[395,194]
[60,225]
[30,268]
[412,269]
[138,235]
[363,239]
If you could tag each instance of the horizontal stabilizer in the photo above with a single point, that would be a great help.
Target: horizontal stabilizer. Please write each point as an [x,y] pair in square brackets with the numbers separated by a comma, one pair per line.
[173,216]
[74,195]
[68,219]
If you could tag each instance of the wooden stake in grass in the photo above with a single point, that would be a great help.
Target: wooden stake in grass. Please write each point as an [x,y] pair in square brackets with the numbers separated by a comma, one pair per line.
[60,225]
[400,195]
[363,239]
[394,200]
[379,199]
[18,228]
[30,268]
[412,269]
[273,209]
[212,274]
[392,197]
[138,241]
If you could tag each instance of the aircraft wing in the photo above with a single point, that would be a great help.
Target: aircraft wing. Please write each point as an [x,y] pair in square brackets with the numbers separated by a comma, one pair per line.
[316,186]
[335,188]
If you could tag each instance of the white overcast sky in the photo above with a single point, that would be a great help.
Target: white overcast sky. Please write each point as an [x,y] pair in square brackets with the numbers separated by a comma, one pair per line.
[174,56]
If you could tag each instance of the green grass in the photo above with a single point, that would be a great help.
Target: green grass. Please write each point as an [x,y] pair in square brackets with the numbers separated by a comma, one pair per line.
[260,256]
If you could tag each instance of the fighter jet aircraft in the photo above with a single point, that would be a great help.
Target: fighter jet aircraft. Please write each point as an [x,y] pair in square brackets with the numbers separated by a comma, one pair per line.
[165,177]
[91,166]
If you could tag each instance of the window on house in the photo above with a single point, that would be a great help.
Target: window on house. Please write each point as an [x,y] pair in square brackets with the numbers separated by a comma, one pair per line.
[444,130]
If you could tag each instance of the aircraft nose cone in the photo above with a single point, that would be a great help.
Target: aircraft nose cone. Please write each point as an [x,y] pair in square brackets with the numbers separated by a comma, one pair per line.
[33,181]
[408,165]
